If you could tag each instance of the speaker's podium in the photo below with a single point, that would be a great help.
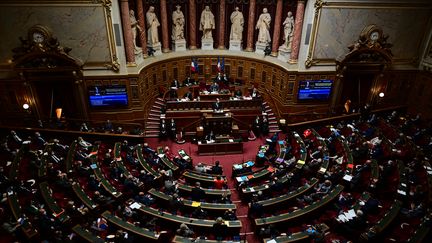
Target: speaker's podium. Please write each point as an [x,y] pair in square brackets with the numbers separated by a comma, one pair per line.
[219,122]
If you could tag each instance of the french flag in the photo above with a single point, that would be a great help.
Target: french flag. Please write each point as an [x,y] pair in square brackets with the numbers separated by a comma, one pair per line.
[194,66]
[220,65]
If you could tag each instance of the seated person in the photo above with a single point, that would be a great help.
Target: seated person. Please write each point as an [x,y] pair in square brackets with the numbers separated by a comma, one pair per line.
[199,213]
[238,93]
[201,168]
[184,231]
[220,229]
[254,93]
[217,169]
[197,193]
[219,183]
[217,106]
[214,87]
[84,143]
[175,84]
[210,136]
[188,82]
[188,95]
[173,93]
[108,126]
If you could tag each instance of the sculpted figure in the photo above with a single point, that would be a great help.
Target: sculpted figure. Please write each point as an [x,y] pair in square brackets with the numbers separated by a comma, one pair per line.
[178,24]
[237,22]
[288,30]
[263,27]
[207,23]
[152,26]
[135,27]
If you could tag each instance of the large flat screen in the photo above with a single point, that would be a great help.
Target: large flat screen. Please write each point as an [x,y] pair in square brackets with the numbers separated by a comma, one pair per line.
[108,96]
[315,89]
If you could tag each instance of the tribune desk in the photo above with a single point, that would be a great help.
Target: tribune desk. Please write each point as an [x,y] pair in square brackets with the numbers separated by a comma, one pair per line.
[225,146]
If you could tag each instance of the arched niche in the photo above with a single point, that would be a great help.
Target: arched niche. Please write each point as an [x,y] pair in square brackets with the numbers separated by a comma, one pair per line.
[360,70]
[52,77]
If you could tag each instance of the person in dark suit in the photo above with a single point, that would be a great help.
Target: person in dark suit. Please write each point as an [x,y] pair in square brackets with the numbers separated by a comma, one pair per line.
[214,87]
[210,136]
[188,95]
[257,126]
[218,78]
[163,130]
[173,129]
[188,82]
[217,106]
[216,169]
[175,84]
[238,93]
[197,194]
[220,229]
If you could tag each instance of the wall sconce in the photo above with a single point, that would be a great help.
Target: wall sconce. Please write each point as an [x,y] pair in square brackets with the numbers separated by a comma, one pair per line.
[381,94]
[26,106]
[58,113]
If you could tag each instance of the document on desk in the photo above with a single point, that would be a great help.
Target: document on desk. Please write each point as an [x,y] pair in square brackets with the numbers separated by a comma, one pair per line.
[350,214]
[135,205]
[347,177]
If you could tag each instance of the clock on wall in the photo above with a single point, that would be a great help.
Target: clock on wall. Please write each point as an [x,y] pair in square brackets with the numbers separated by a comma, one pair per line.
[39,34]
[374,36]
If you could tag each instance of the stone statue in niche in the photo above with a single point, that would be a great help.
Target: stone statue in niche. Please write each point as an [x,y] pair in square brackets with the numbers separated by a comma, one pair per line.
[207,23]
[237,22]
[135,28]
[263,27]
[178,24]
[152,26]
[288,30]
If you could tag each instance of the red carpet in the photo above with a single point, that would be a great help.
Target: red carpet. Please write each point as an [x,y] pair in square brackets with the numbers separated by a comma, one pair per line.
[250,150]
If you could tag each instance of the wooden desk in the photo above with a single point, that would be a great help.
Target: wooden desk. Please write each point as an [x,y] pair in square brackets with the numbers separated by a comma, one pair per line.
[86,235]
[301,212]
[213,97]
[216,207]
[57,211]
[291,195]
[208,192]
[15,207]
[181,239]
[295,237]
[220,148]
[149,235]
[205,223]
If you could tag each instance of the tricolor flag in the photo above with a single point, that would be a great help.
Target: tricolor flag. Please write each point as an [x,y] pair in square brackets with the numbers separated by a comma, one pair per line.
[220,65]
[194,66]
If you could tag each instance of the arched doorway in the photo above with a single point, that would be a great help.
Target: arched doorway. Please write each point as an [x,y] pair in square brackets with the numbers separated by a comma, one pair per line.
[359,70]
[53,77]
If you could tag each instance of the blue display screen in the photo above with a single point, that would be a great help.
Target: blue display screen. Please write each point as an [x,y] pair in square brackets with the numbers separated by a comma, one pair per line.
[315,89]
[108,96]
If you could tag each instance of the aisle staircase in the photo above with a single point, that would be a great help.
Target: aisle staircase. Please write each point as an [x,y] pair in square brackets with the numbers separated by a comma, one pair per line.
[273,123]
[153,119]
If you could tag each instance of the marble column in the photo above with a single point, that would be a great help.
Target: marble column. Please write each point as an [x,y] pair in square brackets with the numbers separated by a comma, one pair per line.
[164,18]
[221,25]
[251,26]
[277,28]
[192,25]
[127,32]
[141,22]
[297,31]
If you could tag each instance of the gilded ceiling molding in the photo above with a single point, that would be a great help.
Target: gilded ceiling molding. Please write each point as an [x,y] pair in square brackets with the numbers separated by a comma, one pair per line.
[114,65]
[318,6]
[107,4]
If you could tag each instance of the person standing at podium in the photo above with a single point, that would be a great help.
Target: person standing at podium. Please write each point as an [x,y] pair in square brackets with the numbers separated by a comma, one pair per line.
[214,87]
[217,106]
